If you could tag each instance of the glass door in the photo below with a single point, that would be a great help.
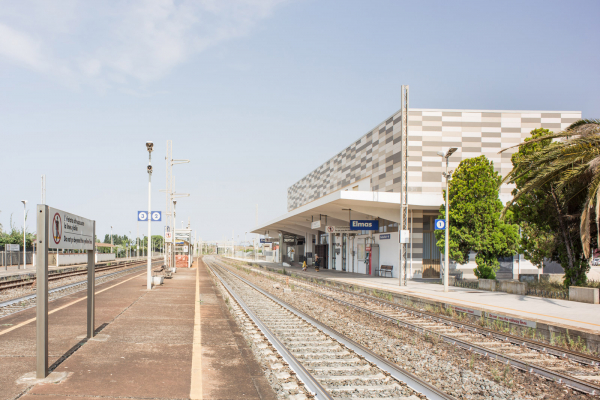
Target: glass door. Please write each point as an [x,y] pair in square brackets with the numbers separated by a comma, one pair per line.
[344,250]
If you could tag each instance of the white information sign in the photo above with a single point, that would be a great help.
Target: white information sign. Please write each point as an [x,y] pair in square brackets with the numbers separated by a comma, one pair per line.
[511,320]
[12,247]
[69,231]
[337,229]
[404,236]
[315,225]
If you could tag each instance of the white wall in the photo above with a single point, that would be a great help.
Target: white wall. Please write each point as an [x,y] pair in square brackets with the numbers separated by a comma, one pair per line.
[102,257]
[389,250]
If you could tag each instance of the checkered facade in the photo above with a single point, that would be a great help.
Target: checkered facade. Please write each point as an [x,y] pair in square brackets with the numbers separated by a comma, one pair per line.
[377,155]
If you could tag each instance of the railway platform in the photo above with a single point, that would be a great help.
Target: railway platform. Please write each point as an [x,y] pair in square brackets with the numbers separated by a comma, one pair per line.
[176,341]
[538,311]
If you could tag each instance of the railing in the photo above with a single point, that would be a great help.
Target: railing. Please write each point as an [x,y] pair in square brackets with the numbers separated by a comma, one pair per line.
[8,258]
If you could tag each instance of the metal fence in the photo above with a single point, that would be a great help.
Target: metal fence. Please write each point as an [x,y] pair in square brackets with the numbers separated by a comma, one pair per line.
[8,258]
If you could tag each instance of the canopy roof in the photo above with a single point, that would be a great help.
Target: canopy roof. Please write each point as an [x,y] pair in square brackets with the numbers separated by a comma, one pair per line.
[339,207]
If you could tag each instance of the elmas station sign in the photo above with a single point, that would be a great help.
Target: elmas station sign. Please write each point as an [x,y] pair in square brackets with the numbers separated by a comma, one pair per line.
[364,225]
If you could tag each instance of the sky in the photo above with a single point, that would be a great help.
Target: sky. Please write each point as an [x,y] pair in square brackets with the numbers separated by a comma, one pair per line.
[255,93]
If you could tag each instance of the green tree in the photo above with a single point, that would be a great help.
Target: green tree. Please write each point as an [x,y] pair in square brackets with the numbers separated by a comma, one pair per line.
[15,236]
[565,176]
[475,223]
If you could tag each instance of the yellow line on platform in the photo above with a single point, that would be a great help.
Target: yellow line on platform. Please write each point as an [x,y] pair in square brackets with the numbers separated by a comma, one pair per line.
[65,306]
[196,385]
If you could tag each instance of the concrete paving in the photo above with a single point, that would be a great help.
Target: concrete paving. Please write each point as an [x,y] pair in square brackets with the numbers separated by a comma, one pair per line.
[564,313]
[145,346]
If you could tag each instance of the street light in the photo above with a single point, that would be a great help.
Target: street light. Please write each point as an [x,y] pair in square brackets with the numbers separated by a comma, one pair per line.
[149,146]
[448,176]
[24,254]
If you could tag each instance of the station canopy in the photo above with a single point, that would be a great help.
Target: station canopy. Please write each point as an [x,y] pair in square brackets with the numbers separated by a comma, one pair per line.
[340,207]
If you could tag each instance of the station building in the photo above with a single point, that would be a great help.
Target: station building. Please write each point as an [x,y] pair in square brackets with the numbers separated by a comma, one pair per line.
[362,182]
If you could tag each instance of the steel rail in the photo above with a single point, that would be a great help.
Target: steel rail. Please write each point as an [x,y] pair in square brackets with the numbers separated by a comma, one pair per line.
[397,372]
[516,340]
[29,279]
[10,302]
[581,358]
[570,381]
[306,377]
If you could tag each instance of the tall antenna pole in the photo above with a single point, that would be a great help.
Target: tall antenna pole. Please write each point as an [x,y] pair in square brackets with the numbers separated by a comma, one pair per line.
[403,226]
[169,201]
[43,189]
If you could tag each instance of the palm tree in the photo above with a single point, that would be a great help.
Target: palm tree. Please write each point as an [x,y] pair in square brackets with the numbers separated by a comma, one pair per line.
[572,161]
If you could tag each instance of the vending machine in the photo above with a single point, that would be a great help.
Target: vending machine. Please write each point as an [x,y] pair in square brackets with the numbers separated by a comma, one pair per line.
[372,259]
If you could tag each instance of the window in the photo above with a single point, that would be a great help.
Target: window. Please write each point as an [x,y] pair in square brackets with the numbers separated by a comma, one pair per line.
[360,250]
[386,226]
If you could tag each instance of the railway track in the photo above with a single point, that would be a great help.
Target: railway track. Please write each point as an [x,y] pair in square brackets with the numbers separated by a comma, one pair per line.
[330,365]
[18,304]
[29,279]
[576,370]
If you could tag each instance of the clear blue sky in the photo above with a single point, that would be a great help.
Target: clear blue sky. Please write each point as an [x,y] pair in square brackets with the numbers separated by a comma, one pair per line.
[255,93]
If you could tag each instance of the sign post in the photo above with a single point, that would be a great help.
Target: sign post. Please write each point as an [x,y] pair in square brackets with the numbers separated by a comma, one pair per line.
[61,230]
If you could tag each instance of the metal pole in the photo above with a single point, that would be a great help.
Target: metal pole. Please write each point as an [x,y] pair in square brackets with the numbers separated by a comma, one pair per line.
[24,220]
[446,244]
[42,293]
[403,225]
[91,288]
[149,268]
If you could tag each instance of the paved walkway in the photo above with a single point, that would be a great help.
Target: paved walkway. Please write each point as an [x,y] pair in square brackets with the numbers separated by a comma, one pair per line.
[569,314]
[177,341]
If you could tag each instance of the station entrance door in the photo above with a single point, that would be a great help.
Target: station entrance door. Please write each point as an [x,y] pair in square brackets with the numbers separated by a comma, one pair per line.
[322,250]
[431,253]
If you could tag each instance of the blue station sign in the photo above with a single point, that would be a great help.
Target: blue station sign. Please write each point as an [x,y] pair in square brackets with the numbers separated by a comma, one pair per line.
[364,225]
[440,224]
[154,215]
[386,236]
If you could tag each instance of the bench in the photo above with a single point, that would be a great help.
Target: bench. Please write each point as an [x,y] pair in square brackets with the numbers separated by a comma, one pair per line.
[385,269]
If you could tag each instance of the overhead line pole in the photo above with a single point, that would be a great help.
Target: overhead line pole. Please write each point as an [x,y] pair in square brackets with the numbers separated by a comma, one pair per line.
[149,146]
[403,226]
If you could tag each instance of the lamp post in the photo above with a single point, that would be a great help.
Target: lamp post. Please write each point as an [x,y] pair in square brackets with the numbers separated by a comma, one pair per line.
[448,176]
[24,218]
[149,146]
